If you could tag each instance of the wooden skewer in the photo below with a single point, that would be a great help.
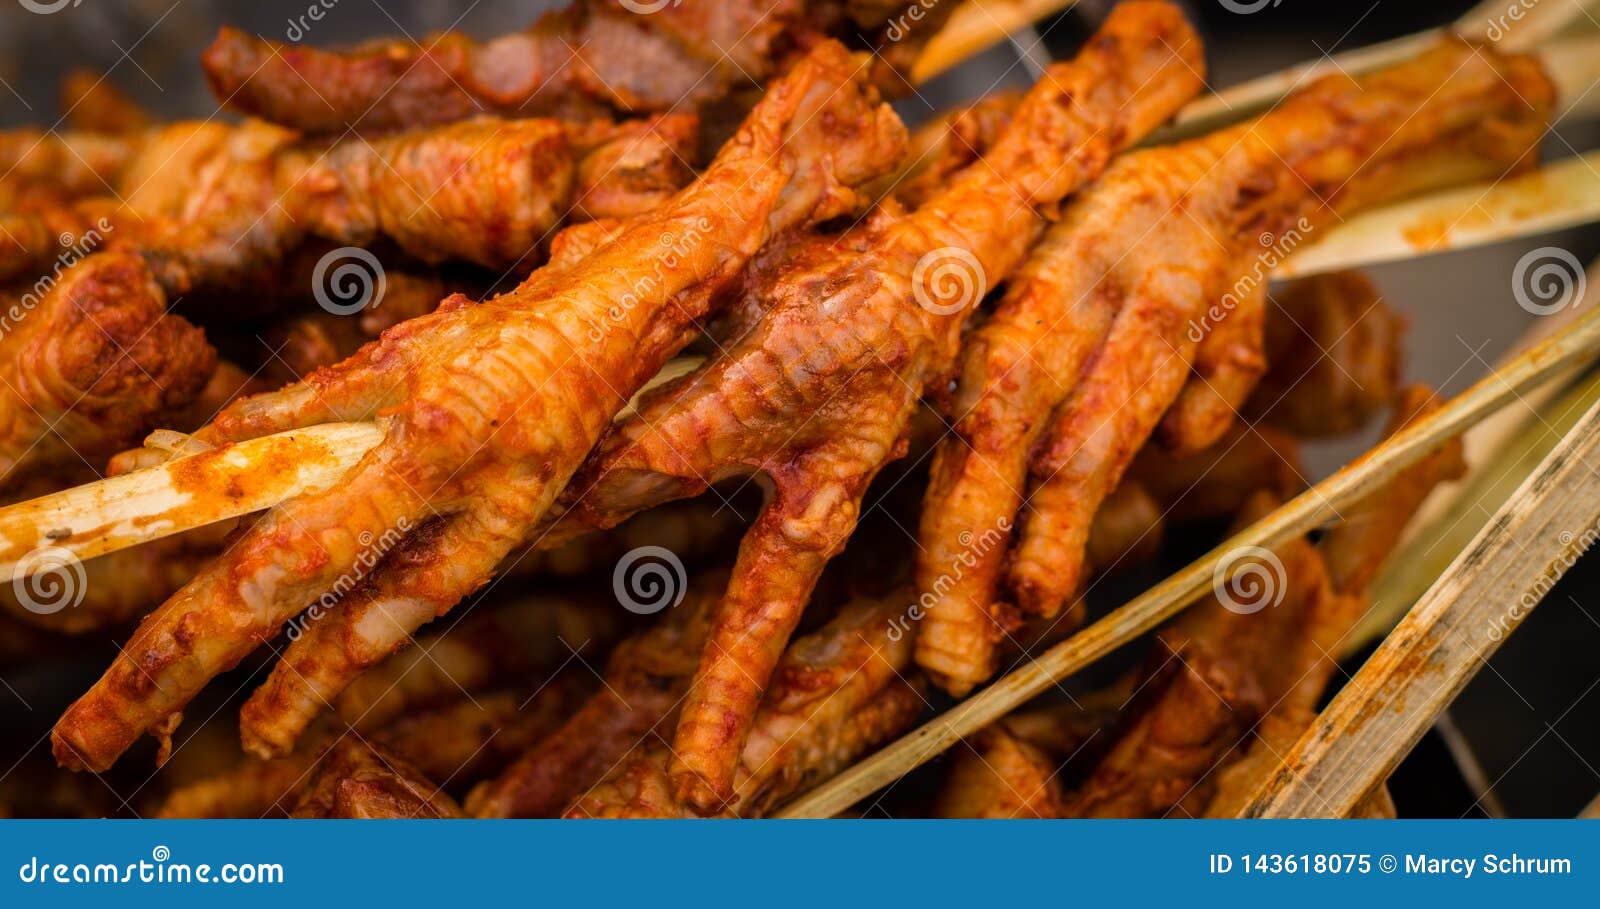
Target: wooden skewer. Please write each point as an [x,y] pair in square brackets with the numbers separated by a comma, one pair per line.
[1551,198]
[1500,451]
[192,491]
[1487,21]
[146,507]
[1573,64]
[1425,556]
[1377,717]
[974,26]
[1578,344]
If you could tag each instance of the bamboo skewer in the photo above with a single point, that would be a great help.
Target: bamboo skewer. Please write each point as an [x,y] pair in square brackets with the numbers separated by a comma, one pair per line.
[1485,21]
[1469,766]
[184,493]
[1560,195]
[1578,344]
[976,25]
[199,489]
[1557,196]
[1500,452]
[1377,717]
[1425,556]
[147,508]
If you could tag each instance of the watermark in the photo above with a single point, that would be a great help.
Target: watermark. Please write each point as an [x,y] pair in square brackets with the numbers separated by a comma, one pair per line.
[1573,546]
[901,25]
[973,547]
[646,7]
[1276,248]
[300,26]
[674,249]
[346,279]
[48,580]
[373,549]
[649,579]
[75,249]
[158,869]
[1547,280]
[1246,7]
[46,7]
[1500,26]
[1249,579]
[948,280]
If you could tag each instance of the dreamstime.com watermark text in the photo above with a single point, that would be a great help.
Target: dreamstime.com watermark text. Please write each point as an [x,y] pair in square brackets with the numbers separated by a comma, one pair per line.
[158,869]
[1573,546]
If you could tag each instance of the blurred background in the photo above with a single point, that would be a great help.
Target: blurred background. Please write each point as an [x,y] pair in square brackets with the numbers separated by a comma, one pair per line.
[1522,741]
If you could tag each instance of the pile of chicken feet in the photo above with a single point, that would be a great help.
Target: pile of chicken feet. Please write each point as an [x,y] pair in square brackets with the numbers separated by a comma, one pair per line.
[1070,348]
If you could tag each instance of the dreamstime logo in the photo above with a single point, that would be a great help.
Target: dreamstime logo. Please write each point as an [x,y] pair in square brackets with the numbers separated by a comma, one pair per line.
[347,279]
[1275,249]
[1548,280]
[1500,26]
[157,869]
[1573,546]
[1246,7]
[900,26]
[315,12]
[675,249]
[649,579]
[646,7]
[974,547]
[948,280]
[76,248]
[46,8]
[1249,579]
[373,549]
[48,580]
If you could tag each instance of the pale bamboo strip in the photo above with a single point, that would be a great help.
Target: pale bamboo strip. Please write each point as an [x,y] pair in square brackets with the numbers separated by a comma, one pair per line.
[1553,197]
[198,489]
[975,26]
[1486,21]
[1376,718]
[1579,343]
[1350,244]
[188,492]
[1421,558]
[1500,451]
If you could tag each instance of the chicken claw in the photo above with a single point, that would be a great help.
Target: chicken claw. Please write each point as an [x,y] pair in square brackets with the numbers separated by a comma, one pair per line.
[488,409]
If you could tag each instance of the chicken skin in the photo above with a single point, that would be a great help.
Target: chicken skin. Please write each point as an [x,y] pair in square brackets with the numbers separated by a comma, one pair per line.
[1108,319]
[831,346]
[589,59]
[488,411]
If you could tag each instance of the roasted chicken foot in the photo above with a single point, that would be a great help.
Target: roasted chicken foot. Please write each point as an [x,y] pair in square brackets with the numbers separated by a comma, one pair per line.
[1098,334]
[832,345]
[589,59]
[488,410]
[219,207]
[836,694]
[1254,650]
